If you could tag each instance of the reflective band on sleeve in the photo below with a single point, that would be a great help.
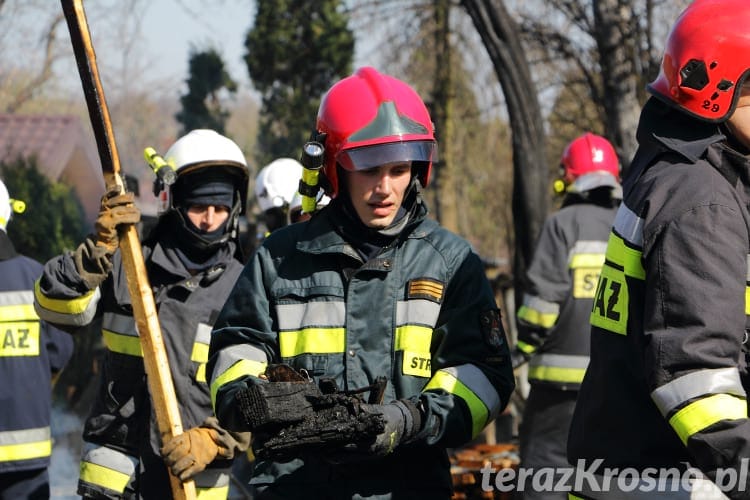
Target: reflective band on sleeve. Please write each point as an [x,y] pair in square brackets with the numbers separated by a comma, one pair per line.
[74,312]
[696,384]
[628,225]
[538,312]
[472,386]
[558,368]
[705,412]
[200,353]
[230,355]
[107,468]
[312,341]
[524,347]
[122,344]
[25,444]
[212,493]
[587,254]
[103,477]
[241,368]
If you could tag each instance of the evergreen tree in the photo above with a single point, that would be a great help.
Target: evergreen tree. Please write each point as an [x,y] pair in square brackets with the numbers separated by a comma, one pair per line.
[54,219]
[295,51]
[201,106]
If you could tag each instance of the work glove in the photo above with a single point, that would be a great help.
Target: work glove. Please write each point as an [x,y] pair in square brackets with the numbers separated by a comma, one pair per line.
[93,257]
[402,421]
[116,209]
[190,452]
[518,357]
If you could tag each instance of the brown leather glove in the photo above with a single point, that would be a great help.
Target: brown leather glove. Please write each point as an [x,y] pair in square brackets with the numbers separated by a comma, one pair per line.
[115,209]
[190,452]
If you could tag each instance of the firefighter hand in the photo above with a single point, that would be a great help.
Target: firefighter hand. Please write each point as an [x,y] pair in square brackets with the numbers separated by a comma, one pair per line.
[402,421]
[115,209]
[518,358]
[189,453]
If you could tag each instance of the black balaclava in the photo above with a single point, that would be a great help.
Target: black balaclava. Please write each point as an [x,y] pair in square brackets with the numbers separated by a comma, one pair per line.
[208,186]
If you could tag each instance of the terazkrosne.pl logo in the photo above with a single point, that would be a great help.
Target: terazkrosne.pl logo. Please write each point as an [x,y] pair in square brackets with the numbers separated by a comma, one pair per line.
[594,478]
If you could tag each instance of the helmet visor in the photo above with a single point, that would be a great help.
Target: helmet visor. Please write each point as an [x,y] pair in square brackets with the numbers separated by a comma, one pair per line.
[383,154]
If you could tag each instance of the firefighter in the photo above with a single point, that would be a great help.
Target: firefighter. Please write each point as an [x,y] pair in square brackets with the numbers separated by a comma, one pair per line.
[275,186]
[192,261]
[553,321]
[32,355]
[368,287]
[665,394]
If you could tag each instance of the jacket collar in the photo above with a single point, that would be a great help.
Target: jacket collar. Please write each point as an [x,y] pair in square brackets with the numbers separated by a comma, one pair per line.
[7,250]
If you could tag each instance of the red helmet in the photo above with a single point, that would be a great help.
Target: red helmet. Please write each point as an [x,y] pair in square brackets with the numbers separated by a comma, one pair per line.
[589,153]
[371,119]
[707,57]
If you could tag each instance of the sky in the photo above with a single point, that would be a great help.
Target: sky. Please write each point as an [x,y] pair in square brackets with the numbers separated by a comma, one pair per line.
[169,30]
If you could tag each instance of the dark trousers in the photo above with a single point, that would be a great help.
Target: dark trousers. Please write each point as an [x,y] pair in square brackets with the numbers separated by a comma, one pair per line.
[543,438]
[25,485]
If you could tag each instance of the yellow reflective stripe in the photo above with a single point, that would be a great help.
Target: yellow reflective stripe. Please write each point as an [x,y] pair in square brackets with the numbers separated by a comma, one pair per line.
[705,412]
[241,368]
[71,306]
[556,374]
[585,280]
[21,312]
[123,344]
[19,339]
[200,374]
[524,347]
[450,384]
[534,317]
[610,309]
[25,451]
[200,352]
[629,258]
[312,341]
[595,260]
[218,493]
[104,476]
[413,338]
[414,341]
[747,300]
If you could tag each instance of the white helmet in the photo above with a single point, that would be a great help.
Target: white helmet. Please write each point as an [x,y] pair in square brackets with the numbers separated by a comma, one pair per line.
[4,206]
[295,207]
[201,149]
[277,182]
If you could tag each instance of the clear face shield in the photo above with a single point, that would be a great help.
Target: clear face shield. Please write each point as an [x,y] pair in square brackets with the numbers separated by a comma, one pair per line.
[367,157]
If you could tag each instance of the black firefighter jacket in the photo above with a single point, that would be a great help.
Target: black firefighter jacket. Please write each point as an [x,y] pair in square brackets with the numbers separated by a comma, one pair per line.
[553,321]
[31,353]
[122,418]
[667,382]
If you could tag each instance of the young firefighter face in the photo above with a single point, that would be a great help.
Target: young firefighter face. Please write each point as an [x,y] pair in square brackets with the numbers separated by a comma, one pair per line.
[377,193]
[208,217]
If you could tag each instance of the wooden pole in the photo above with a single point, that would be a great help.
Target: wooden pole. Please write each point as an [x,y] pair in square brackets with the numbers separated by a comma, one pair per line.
[144,308]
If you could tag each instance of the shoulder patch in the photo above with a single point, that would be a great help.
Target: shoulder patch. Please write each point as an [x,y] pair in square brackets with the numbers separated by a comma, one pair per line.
[425,288]
[492,330]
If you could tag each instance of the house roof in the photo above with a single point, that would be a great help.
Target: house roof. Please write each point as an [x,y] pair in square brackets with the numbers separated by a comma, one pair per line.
[64,151]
